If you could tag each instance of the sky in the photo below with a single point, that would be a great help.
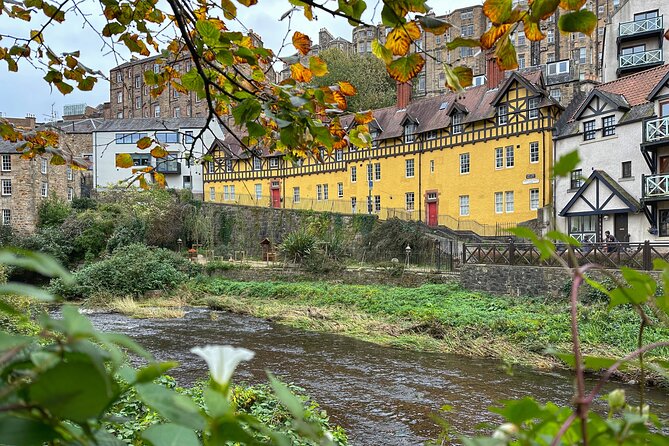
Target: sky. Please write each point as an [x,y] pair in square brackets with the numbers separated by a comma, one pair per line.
[26,92]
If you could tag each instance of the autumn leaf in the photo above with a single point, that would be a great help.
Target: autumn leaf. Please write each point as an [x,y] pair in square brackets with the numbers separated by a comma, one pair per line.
[159,178]
[573,5]
[144,143]
[302,43]
[229,9]
[364,117]
[142,182]
[406,68]
[124,160]
[340,99]
[433,25]
[57,160]
[506,54]
[532,29]
[582,21]
[498,11]
[300,73]
[491,36]
[462,42]
[399,40]
[459,77]
[543,9]
[318,66]
[347,88]
[381,52]
[248,2]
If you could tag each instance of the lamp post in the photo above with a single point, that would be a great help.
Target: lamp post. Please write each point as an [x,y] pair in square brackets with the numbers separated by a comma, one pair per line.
[179,243]
[407,250]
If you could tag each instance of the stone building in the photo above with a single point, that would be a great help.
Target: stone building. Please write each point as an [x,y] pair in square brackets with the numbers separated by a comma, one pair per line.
[130,97]
[24,184]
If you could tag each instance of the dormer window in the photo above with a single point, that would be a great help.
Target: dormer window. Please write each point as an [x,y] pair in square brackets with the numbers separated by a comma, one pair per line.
[257,165]
[456,123]
[502,114]
[409,132]
[228,165]
[533,108]
[375,135]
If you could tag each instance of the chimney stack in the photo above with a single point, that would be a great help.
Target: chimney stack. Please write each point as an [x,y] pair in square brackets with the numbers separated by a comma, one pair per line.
[403,94]
[494,74]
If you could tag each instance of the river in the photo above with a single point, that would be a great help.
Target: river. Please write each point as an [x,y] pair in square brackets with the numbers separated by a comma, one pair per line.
[381,396]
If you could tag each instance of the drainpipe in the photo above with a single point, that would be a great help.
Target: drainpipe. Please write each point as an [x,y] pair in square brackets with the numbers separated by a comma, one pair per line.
[420,180]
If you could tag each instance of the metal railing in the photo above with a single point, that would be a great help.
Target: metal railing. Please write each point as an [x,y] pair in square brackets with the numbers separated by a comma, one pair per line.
[345,207]
[637,255]
[640,59]
[655,185]
[640,26]
[656,129]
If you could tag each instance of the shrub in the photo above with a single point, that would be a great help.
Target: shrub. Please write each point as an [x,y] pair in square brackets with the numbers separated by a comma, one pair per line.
[52,212]
[298,245]
[127,233]
[130,270]
[50,240]
[84,203]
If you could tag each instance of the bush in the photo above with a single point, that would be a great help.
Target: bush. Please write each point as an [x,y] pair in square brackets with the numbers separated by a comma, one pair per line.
[50,240]
[298,245]
[130,270]
[127,233]
[84,203]
[52,212]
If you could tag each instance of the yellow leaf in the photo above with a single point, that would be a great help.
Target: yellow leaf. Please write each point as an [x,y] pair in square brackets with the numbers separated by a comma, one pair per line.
[158,152]
[347,88]
[506,54]
[573,5]
[340,99]
[124,160]
[399,40]
[406,68]
[142,182]
[57,160]
[229,9]
[532,30]
[302,43]
[433,25]
[498,11]
[300,73]
[159,178]
[318,66]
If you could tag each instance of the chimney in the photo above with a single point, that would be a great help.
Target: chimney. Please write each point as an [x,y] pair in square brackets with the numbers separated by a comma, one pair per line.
[30,121]
[494,74]
[403,94]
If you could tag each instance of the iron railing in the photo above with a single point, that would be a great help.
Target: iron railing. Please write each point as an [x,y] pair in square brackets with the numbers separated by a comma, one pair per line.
[656,129]
[640,26]
[654,186]
[640,59]
[636,255]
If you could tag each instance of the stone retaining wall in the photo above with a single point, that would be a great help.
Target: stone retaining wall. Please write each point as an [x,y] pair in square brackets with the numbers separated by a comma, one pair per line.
[363,276]
[523,280]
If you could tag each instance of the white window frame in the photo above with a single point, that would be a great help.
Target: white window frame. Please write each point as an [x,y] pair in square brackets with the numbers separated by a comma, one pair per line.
[257,164]
[44,165]
[326,192]
[274,163]
[258,191]
[510,158]
[377,171]
[465,163]
[296,194]
[502,114]
[499,158]
[319,192]
[377,203]
[6,217]
[70,173]
[70,193]
[409,168]
[6,187]
[534,199]
[212,194]
[509,201]
[44,189]
[410,201]
[354,174]
[533,108]
[6,163]
[499,202]
[340,190]
[409,132]
[456,123]
[534,152]
[464,206]
[156,111]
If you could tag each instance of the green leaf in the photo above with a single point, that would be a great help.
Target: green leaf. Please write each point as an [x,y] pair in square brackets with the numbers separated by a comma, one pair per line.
[34,261]
[564,238]
[582,21]
[566,164]
[175,407]
[124,160]
[24,432]
[125,341]
[518,411]
[22,289]
[74,390]
[152,371]
[8,341]
[247,110]
[208,31]
[507,59]
[458,78]
[290,401]
[170,435]
[433,25]
[112,28]
[217,404]
[255,130]
[542,9]
[589,362]
[462,42]
[193,81]
[381,52]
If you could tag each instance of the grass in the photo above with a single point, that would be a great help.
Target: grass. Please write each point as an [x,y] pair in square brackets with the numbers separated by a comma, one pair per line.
[444,318]
[158,308]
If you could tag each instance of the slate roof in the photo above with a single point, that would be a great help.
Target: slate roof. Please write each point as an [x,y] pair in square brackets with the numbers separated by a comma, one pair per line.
[10,147]
[88,125]
[627,92]
[139,124]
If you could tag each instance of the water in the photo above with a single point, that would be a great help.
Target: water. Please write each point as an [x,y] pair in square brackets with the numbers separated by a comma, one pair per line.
[381,396]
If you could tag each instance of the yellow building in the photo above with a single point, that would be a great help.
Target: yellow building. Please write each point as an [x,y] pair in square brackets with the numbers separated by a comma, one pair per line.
[470,160]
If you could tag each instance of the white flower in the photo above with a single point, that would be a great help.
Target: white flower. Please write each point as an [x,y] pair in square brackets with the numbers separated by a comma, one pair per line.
[222,360]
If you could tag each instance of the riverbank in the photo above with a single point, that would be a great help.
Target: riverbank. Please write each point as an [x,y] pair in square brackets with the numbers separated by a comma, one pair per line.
[438,318]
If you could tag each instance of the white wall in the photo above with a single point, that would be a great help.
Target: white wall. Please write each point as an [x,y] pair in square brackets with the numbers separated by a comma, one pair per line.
[607,154]
[626,14]
[105,149]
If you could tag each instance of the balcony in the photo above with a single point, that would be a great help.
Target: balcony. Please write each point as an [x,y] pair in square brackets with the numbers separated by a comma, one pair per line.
[638,28]
[655,187]
[656,129]
[636,61]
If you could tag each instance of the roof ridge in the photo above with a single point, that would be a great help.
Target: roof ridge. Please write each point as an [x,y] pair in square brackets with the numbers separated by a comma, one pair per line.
[633,75]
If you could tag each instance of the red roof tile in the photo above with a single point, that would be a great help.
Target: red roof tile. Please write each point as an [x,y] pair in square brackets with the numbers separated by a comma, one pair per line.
[636,87]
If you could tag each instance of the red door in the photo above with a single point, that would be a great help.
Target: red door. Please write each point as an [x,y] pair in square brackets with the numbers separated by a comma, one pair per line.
[276,198]
[432,219]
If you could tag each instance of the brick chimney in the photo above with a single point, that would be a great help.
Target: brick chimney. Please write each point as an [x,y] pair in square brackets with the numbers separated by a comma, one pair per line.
[403,94]
[493,73]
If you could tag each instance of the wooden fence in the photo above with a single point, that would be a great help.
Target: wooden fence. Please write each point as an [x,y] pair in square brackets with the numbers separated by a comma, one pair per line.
[637,255]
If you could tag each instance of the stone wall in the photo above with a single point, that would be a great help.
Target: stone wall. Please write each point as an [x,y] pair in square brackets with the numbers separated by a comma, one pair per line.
[522,280]
[362,276]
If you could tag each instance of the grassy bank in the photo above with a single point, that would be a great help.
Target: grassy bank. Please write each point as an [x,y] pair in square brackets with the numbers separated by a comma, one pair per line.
[442,318]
